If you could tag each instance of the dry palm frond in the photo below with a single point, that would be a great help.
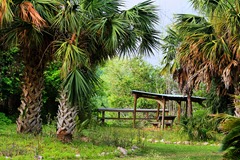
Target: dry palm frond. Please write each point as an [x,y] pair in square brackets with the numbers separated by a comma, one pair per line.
[5,12]
[3,5]
[29,14]
[227,77]
[3,8]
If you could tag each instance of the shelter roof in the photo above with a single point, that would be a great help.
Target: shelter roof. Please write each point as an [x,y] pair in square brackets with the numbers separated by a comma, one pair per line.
[166,96]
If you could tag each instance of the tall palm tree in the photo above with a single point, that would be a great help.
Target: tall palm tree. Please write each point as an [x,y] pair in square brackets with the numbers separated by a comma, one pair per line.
[173,63]
[24,24]
[210,45]
[96,31]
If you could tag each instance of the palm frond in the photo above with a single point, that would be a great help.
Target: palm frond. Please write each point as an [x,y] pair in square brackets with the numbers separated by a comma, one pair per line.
[6,14]
[146,13]
[24,34]
[71,55]
[80,84]
[28,13]
[47,8]
[100,8]
[68,17]
[232,139]
[141,33]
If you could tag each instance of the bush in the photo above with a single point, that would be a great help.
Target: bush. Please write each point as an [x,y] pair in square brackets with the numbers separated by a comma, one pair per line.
[231,142]
[200,127]
[4,120]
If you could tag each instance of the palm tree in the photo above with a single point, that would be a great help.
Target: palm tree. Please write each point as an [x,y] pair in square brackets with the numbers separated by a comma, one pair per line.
[94,32]
[210,46]
[169,46]
[24,24]
[82,33]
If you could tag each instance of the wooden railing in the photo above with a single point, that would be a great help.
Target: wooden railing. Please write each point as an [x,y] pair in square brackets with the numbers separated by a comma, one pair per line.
[102,111]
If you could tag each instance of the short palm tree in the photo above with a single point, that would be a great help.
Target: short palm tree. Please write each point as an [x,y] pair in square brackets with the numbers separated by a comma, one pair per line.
[97,30]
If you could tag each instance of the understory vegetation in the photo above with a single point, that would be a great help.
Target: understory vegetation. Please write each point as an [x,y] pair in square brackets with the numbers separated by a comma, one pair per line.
[106,142]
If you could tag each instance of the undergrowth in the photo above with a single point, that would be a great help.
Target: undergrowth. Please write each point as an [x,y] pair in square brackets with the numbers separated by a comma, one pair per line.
[100,142]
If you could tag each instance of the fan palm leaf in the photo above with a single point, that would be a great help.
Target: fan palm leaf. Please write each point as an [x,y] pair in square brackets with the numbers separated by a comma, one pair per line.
[231,143]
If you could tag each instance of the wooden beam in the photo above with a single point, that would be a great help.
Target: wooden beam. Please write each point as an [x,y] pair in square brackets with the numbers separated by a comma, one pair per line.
[157,115]
[134,111]
[179,110]
[189,106]
[163,113]
[163,104]
[103,116]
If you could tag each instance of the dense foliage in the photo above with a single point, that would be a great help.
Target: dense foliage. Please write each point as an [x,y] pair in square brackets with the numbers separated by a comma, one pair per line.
[4,120]
[11,68]
[121,76]
[10,72]
[230,125]
[200,127]
[51,91]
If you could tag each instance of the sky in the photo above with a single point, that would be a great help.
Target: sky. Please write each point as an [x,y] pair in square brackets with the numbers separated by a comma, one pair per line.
[166,11]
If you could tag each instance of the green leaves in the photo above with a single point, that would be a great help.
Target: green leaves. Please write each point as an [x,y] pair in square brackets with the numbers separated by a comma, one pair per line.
[80,85]
[69,18]
[10,72]
[4,120]
[231,142]
[72,56]
[120,76]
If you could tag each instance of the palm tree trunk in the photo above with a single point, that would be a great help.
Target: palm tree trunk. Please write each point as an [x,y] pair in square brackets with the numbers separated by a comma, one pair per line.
[65,119]
[189,105]
[29,120]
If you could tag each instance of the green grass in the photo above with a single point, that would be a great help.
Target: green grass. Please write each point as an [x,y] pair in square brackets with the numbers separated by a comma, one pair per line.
[102,143]
[179,152]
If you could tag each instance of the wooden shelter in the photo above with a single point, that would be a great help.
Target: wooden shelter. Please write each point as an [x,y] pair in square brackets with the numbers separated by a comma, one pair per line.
[161,99]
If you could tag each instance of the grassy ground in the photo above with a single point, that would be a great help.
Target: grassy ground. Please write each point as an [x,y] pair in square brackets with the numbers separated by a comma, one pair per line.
[102,143]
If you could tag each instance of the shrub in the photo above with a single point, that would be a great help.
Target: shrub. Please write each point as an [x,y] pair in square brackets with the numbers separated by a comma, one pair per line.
[231,142]
[200,126]
[4,120]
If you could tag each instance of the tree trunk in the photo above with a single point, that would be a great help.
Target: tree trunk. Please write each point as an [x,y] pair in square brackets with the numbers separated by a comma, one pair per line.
[65,119]
[189,105]
[29,120]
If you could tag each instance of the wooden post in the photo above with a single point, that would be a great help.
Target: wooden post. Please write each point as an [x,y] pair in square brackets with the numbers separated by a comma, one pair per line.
[186,109]
[179,110]
[135,110]
[158,111]
[163,113]
[162,102]
[103,116]
[189,106]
